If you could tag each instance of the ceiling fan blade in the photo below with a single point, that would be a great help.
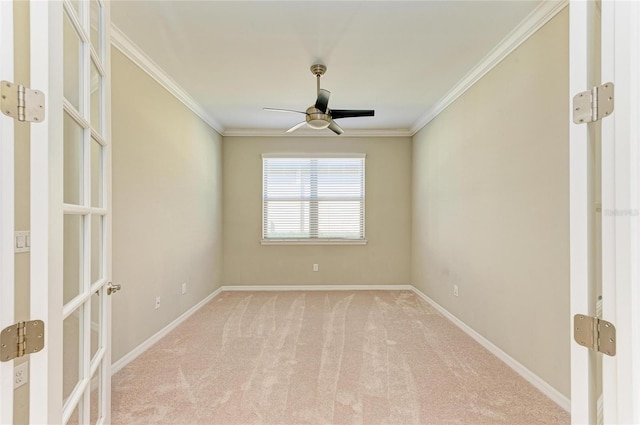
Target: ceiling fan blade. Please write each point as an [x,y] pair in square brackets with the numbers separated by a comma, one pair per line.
[295,127]
[335,128]
[349,113]
[323,100]
[283,110]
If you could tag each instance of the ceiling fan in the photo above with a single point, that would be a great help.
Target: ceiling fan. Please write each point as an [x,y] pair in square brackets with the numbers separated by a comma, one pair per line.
[319,116]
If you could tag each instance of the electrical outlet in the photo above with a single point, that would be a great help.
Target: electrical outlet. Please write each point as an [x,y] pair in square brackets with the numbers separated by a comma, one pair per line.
[20,375]
[184,288]
[157,303]
[455,290]
[315,267]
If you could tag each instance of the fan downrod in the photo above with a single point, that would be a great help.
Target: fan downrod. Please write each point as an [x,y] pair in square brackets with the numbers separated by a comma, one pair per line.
[318,69]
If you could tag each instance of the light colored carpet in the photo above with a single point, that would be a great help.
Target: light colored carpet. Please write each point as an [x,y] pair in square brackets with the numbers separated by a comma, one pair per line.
[362,357]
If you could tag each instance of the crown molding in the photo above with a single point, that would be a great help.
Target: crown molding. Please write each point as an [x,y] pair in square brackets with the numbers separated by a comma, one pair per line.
[532,23]
[120,41]
[306,132]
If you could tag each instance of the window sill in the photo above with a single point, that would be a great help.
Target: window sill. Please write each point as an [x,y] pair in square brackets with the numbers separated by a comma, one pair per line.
[313,241]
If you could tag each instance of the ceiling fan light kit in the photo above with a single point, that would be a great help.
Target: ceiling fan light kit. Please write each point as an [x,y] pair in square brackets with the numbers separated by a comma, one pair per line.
[318,121]
[319,116]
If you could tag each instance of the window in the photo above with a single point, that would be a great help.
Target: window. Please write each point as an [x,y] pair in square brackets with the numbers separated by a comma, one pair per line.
[313,199]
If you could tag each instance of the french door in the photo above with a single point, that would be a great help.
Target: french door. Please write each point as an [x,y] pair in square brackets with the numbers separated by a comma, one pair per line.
[605,214]
[70,218]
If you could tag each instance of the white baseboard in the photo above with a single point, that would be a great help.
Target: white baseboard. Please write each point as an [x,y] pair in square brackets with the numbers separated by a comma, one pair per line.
[518,367]
[131,355]
[318,288]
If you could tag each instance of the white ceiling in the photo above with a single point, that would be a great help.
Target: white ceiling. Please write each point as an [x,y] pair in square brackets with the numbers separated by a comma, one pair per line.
[397,57]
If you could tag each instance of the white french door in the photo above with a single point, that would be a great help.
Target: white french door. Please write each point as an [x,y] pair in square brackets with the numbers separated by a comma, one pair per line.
[604,210]
[70,212]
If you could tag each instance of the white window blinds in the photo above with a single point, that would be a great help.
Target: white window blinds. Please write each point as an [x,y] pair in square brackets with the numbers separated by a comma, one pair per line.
[313,198]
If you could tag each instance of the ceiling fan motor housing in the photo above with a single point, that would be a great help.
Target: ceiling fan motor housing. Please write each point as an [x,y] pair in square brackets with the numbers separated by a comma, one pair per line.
[317,119]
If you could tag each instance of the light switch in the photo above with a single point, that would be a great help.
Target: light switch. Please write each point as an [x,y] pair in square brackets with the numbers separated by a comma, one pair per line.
[23,241]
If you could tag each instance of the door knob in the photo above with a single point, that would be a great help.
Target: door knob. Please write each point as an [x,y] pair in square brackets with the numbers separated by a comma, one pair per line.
[111,288]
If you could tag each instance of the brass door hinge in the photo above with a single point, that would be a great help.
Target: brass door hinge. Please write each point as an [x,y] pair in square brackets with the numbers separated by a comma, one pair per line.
[21,339]
[21,103]
[596,334]
[593,105]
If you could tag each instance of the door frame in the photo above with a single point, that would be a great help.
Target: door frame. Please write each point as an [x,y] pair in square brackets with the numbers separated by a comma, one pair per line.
[582,380]
[620,226]
[7,202]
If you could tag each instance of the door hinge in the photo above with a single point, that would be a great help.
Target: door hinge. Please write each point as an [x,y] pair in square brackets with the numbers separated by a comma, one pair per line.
[596,334]
[593,105]
[21,103]
[21,339]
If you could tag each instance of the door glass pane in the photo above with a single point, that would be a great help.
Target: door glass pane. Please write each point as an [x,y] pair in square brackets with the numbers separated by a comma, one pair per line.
[72,70]
[75,416]
[96,174]
[73,161]
[96,98]
[96,12]
[94,400]
[71,352]
[96,315]
[96,248]
[72,257]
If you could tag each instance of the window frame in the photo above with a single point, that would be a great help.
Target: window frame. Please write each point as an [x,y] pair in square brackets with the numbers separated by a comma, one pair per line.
[311,240]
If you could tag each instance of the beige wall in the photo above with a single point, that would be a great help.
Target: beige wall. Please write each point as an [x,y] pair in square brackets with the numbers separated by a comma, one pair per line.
[384,260]
[167,211]
[491,206]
